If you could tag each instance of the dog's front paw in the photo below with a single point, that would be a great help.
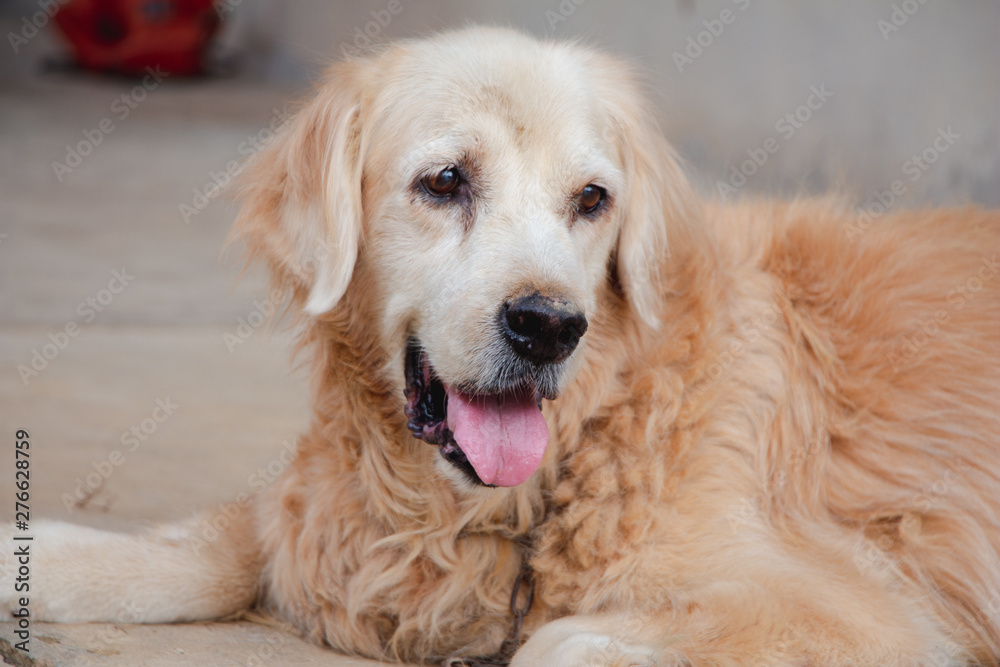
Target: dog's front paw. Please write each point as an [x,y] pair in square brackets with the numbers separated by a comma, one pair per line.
[579,641]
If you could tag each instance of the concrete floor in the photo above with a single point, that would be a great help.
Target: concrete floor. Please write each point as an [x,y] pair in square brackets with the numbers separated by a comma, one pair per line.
[160,338]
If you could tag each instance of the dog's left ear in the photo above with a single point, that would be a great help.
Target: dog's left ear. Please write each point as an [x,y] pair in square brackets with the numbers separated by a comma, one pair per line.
[301,195]
[660,207]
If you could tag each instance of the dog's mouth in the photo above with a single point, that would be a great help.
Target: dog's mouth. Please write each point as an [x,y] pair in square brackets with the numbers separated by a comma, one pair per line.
[496,439]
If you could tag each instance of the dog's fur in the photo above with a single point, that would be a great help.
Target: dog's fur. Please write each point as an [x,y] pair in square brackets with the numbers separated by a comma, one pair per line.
[777,444]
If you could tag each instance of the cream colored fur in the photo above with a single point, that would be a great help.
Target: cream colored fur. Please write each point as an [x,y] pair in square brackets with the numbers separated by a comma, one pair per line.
[778,442]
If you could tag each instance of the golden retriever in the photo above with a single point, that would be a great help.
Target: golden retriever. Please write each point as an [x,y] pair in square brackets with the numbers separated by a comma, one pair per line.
[564,406]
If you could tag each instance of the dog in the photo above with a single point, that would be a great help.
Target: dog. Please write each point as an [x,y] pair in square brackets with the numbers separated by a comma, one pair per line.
[567,412]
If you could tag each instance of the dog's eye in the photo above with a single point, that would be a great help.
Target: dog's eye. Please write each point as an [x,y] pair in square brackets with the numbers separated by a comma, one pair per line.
[590,198]
[443,183]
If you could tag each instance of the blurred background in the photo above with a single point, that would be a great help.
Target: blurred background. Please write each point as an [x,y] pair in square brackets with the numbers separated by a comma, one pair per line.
[724,73]
[725,70]
[142,366]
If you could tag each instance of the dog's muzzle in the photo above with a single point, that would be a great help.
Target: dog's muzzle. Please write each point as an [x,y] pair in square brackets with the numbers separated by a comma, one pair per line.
[494,431]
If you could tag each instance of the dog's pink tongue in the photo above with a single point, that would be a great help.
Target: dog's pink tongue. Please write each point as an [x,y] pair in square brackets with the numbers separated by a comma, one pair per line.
[504,437]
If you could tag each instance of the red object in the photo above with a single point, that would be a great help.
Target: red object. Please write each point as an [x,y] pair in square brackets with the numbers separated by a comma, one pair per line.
[129,36]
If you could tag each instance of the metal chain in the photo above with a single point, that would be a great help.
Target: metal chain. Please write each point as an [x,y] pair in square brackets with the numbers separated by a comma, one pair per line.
[513,641]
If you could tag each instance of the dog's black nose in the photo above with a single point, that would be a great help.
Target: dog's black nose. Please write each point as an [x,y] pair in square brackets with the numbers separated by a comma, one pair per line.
[541,329]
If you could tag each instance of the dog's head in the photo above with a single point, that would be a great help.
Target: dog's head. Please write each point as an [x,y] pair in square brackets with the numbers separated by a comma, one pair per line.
[480,191]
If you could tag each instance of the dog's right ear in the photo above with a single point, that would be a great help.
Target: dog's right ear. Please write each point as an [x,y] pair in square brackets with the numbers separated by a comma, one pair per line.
[301,195]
